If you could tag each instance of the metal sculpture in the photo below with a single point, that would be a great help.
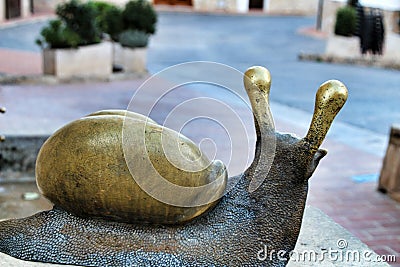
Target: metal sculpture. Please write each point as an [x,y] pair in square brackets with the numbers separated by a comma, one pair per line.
[229,232]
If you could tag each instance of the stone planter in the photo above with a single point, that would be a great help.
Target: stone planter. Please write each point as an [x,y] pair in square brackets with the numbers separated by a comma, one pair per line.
[85,61]
[130,59]
[391,52]
[343,47]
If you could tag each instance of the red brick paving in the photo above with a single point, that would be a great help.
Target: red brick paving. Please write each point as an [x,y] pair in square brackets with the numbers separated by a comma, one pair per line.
[16,62]
[359,207]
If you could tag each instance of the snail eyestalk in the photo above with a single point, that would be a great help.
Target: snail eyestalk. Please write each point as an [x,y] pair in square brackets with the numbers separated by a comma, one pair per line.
[330,98]
[257,82]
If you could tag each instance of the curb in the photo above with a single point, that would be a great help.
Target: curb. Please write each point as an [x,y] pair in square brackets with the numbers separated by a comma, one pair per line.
[7,79]
[18,155]
[349,61]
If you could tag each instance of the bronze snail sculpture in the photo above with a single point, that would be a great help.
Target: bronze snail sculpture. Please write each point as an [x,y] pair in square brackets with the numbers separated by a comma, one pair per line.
[231,230]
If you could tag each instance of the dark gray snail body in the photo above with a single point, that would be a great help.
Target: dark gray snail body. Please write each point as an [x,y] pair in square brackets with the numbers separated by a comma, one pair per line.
[230,234]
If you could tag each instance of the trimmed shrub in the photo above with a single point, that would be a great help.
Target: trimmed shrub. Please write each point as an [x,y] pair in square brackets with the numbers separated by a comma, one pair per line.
[345,21]
[57,35]
[113,24]
[81,19]
[133,38]
[108,18]
[139,15]
[100,6]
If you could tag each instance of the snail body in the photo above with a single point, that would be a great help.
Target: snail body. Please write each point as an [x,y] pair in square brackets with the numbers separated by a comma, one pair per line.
[82,168]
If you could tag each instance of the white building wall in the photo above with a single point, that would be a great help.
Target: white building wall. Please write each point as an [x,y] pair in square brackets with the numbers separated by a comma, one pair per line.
[235,6]
[2,10]
[291,7]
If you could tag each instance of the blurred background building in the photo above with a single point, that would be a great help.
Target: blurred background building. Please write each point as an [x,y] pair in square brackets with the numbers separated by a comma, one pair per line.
[23,8]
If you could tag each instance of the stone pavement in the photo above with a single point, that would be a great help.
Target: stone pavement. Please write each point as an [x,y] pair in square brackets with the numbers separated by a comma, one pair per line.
[23,62]
[355,147]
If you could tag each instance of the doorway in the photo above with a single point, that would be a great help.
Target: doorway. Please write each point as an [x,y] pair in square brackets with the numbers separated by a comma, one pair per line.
[13,9]
[256,4]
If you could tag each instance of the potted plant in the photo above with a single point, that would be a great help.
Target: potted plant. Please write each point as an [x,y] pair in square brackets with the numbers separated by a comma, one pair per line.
[138,22]
[108,18]
[344,43]
[346,21]
[72,43]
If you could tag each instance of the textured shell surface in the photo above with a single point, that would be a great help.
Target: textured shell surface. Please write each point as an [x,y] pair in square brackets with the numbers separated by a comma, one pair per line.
[83,168]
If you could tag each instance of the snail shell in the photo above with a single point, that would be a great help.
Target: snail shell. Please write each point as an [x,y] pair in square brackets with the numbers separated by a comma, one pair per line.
[82,168]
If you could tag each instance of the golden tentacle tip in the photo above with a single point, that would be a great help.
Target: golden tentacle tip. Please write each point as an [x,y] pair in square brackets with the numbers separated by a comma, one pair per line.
[258,76]
[332,93]
[329,100]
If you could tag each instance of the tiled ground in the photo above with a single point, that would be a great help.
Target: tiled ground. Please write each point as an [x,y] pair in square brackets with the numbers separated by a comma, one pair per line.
[359,207]
[17,62]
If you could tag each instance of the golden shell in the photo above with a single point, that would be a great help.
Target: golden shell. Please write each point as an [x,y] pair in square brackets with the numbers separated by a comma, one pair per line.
[82,168]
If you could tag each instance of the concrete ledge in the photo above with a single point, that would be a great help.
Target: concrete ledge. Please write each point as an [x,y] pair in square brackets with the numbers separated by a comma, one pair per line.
[92,60]
[349,48]
[340,46]
[51,79]
[363,61]
[318,234]
[132,60]
[18,155]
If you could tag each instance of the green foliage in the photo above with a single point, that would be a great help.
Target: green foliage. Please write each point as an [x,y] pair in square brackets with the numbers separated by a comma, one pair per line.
[100,6]
[139,15]
[57,35]
[81,19]
[113,24]
[74,27]
[345,21]
[82,24]
[108,17]
[133,38]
